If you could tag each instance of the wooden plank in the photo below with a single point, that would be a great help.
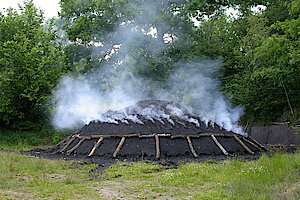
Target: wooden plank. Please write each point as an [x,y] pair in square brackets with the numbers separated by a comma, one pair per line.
[96,146]
[242,144]
[119,147]
[157,146]
[219,145]
[253,144]
[191,147]
[76,146]
[68,143]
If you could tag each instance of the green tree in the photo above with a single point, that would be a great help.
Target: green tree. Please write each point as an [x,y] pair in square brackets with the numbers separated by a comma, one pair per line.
[30,64]
[260,51]
[110,23]
[266,78]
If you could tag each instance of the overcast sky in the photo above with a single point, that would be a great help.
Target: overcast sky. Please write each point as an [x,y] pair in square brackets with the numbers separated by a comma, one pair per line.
[50,7]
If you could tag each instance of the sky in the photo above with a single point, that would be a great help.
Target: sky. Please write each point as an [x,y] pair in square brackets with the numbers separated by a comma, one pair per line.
[50,7]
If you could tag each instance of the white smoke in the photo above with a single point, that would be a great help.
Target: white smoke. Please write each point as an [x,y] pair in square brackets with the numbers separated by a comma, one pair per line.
[91,97]
[80,101]
[196,84]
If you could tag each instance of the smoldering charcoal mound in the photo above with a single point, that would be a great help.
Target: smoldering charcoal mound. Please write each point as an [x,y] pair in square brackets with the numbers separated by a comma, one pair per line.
[154,129]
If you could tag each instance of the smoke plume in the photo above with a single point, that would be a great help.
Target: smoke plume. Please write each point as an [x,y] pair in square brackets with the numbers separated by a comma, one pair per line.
[118,84]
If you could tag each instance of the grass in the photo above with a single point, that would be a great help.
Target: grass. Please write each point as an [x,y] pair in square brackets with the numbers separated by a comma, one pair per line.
[275,177]
[266,178]
[20,139]
[24,177]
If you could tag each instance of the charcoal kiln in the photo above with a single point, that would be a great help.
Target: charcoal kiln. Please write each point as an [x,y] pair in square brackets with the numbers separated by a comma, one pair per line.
[154,129]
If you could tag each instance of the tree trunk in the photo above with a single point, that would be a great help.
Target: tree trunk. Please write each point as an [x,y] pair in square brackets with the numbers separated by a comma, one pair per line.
[287,98]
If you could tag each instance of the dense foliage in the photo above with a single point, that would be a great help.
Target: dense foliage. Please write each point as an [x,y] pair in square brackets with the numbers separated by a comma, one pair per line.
[30,64]
[260,50]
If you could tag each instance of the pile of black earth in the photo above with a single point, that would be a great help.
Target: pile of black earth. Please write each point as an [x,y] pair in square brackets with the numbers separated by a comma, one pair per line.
[146,136]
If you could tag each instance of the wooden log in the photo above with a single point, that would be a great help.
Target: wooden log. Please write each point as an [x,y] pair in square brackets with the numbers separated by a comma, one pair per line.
[146,136]
[153,135]
[76,146]
[201,135]
[283,146]
[85,137]
[96,146]
[68,143]
[157,146]
[64,141]
[129,136]
[242,144]
[253,144]
[164,135]
[259,144]
[78,136]
[113,135]
[177,136]
[191,147]
[104,136]
[216,135]
[219,145]
[119,147]
[96,136]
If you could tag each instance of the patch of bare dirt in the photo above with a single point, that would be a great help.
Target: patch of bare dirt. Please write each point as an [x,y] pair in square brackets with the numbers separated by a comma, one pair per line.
[125,190]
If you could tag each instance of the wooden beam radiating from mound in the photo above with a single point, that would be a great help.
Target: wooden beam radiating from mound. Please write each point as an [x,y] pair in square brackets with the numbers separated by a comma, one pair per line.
[119,146]
[191,147]
[68,143]
[242,144]
[259,144]
[253,144]
[76,146]
[96,146]
[157,146]
[156,136]
[219,145]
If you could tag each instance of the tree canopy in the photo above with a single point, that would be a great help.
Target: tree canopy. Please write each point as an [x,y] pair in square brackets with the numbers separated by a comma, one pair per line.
[260,50]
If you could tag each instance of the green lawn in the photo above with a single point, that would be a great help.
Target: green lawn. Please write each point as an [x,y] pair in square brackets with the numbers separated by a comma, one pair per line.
[275,177]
